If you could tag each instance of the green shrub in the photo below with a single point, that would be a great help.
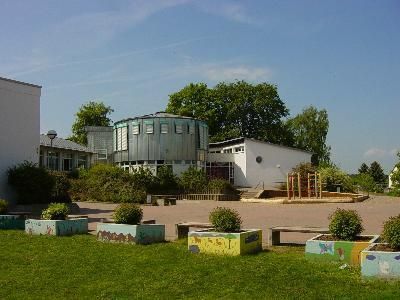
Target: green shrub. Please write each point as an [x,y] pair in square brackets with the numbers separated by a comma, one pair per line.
[3,206]
[221,186]
[166,181]
[62,185]
[128,213]
[345,224]
[225,219]
[194,180]
[391,232]
[55,211]
[32,184]
[333,177]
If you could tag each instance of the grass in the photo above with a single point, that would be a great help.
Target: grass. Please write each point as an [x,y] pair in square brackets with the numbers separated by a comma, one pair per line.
[79,267]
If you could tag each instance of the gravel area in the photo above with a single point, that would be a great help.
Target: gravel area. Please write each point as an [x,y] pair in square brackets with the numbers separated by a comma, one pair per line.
[374,211]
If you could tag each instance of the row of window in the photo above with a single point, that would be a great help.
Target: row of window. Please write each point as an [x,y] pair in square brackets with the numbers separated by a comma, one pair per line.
[52,161]
[164,128]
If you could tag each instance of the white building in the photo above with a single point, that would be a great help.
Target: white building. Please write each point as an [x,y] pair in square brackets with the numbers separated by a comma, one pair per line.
[251,163]
[390,177]
[19,127]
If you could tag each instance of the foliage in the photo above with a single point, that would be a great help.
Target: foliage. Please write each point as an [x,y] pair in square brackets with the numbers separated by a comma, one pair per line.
[309,130]
[391,232]
[107,183]
[225,219]
[32,184]
[364,169]
[128,213]
[90,114]
[376,171]
[166,270]
[3,206]
[221,186]
[55,211]
[193,180]
[305,168]
[333,177]
[365,182]
[232,110]
[167,181]
[143,179]
[345,224]
[60,192]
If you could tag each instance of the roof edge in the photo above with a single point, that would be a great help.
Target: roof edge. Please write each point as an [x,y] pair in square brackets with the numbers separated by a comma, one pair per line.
[21,82]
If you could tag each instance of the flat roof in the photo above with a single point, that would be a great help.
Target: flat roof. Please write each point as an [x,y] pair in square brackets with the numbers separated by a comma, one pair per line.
[160,115]
[20,82]
[241,140]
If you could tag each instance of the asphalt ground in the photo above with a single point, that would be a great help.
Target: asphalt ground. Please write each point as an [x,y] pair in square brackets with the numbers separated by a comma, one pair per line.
[374,211]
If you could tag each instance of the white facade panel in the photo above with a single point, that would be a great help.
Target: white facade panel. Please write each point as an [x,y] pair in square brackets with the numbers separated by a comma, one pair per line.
[276,162]
[19,128]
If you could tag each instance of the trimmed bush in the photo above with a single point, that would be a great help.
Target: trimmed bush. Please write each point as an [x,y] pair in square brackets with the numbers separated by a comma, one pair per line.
[391,232]
[128,213]
[193,180]
[3,206]
[32,184]
[62,185]
[55,211]
[345,224]
[221,186]
[225,219]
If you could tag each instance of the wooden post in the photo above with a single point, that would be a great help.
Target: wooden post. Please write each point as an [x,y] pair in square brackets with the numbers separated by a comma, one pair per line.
[320,185]
[287,186]
[316,185]
[292,180]
[308,185]
[299,184]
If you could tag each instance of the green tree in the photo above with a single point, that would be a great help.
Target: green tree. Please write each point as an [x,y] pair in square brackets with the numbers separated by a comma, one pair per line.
[309,130]
[193,180]
[89,114]
[376,171]
[364,169]
[365,182]
[332,177]
[233,110]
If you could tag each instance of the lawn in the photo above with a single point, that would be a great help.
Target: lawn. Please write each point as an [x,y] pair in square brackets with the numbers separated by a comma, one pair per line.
[79,267]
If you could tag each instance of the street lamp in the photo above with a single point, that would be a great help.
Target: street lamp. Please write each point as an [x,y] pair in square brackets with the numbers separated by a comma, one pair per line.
[51,135]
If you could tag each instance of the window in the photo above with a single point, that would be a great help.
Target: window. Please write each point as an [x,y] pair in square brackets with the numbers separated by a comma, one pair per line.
[82,160]
[102,154]
[52,160]
[239,149]
[135,128]
[121,137]
[149,128]
[178,128]
[164,127]
[67,162]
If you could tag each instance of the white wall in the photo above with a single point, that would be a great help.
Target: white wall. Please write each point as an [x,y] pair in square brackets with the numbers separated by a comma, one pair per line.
[19,128]
[390,178]
[276,162]
[239,160]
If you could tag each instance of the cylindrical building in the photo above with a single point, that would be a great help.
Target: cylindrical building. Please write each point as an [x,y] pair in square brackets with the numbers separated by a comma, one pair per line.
[160,139]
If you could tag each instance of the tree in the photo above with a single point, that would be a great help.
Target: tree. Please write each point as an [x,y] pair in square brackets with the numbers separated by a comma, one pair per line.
[89,114]
[309,130]
[233,110]
[363,169]
[376,172]
[365,182]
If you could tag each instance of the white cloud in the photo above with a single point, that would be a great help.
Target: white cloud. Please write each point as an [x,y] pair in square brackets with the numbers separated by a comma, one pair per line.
[220,73]
[379,153]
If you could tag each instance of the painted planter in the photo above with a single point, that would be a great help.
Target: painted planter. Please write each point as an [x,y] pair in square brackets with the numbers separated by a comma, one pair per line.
[57,227]
[12,222]
[380,264]
[131,234]
[343,251]
[239,243]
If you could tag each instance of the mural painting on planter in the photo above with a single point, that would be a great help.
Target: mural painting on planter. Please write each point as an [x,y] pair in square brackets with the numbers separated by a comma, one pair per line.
[226,237]
[54,222]
[127,227]
[344,244]
[382,260]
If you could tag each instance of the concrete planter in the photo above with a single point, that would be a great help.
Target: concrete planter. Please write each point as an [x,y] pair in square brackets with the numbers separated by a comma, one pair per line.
[56,227]
[131,234]
[380,264]
[12,222]
[208,241]
[342,251]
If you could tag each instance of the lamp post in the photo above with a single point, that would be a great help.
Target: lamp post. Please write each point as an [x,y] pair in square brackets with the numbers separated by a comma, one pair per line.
[51,135]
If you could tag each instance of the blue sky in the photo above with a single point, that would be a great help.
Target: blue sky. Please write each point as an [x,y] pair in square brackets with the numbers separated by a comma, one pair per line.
[343,56]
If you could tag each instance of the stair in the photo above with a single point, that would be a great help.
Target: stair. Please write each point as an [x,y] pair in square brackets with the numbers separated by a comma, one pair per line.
[249,193]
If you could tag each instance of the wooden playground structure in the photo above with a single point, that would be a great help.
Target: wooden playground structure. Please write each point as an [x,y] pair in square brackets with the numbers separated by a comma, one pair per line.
[299,187]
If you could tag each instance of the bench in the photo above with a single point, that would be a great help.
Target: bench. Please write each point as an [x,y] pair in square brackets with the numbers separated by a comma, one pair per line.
[275,232]
[107,220]
[182,229]
[76,216]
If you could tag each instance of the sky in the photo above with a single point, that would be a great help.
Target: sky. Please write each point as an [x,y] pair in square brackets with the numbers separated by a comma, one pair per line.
[342,56]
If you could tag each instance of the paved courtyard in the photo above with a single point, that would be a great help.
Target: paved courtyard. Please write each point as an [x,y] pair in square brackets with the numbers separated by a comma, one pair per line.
[257,215]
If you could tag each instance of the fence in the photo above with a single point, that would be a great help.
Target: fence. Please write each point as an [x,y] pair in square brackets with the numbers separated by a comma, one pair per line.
[203,196]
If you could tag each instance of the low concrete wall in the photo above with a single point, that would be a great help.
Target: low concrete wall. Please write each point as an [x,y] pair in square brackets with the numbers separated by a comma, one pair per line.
[205,241]
[12,222]
[380,264]
[56,227]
